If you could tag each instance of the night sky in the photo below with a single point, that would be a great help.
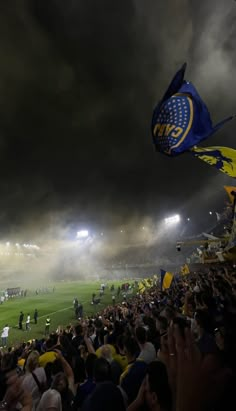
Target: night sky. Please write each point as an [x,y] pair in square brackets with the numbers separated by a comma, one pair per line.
[78,83]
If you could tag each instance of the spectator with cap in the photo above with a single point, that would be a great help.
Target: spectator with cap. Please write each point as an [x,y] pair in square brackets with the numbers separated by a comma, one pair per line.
[49,355]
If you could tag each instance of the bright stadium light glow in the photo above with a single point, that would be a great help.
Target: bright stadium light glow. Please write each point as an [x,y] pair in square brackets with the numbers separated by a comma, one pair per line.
[82,234]
[188,219]
[210,212]
[173,220]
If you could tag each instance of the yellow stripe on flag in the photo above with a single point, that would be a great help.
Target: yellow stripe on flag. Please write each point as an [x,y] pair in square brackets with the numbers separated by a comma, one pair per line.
[167,280]
[223,158]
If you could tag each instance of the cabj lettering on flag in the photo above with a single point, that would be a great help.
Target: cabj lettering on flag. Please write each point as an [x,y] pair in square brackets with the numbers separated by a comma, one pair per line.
[181,121]
[166,279]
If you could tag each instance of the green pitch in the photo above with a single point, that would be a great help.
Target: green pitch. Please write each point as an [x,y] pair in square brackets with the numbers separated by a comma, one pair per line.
[58,304]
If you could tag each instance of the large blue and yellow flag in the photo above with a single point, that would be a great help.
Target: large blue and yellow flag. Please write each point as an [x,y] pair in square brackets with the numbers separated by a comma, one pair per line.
[181,121]
[166,279]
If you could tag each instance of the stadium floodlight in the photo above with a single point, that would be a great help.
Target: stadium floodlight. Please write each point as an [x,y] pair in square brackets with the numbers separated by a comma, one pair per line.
[173,220]
[82,234]
[210,212]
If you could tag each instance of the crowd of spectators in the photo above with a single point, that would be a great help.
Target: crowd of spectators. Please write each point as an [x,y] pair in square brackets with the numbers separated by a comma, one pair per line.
[158,351]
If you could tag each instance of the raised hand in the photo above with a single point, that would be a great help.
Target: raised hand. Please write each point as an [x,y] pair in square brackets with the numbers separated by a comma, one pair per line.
[195,381]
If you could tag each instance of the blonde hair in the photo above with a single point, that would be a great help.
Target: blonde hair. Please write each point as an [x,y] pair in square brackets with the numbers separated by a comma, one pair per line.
[32,361]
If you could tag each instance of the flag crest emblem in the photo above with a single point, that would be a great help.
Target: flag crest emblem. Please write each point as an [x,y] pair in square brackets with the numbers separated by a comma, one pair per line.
[173,122]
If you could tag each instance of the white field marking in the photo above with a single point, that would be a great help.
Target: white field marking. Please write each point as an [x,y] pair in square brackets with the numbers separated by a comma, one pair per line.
[54,312]
[46,315]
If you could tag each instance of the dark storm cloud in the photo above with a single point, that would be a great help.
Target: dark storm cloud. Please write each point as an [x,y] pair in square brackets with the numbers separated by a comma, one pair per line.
[78,81]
